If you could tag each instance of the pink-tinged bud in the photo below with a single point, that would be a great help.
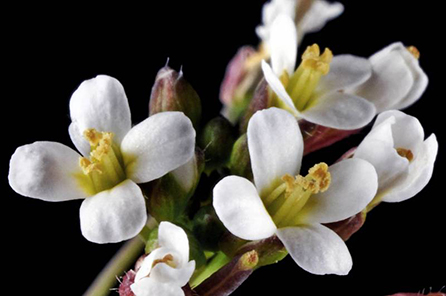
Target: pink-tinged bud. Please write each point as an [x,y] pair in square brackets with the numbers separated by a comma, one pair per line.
[262,99]
[172,92]
[241,78]
[317,137]
[127,280]
[346,228]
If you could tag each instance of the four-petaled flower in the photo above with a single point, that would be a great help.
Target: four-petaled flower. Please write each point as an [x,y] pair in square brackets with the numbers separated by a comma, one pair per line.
[167,268]
[294,208]
[403,160]
[115,157]
[316,90]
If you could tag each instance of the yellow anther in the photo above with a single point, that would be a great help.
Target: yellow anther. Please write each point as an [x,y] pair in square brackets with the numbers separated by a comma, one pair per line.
[103,146]
[88,167]
[312,59]
[93,136]
[414,51]
[320,176]
[168,259]
[406,153]
[289,181]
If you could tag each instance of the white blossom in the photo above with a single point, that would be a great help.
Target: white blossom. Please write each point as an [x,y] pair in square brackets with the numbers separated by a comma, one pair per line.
[114,157]
[293,207]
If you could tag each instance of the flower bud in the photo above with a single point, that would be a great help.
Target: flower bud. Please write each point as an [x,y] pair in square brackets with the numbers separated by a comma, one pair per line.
[207,228]
[346,228]
[241,77]
[169,195]
[216,140]
[262,99]
[127,280]
[171,92]
[239,161]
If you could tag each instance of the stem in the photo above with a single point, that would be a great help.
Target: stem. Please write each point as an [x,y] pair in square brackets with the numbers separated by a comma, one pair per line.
[120,262]
[219,260]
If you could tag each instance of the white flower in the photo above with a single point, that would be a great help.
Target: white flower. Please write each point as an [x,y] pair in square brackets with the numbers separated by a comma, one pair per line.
[166,269]
[315,91]
[397,80]
[115,158]
[403,160]
[314,17]
[291,207]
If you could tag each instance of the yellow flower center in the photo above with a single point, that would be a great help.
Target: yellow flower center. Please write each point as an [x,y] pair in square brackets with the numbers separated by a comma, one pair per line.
[104,167]
[301,85]
[286,201]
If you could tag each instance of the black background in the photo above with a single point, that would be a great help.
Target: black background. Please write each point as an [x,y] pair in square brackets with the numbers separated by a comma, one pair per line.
[49,51]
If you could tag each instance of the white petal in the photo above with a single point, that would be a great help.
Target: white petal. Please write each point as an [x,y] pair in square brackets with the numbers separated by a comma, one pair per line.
[390,167]
[278,88]
[340,111]
[175,276]
[48,171]
[187,174]
[174,237]
[241,210]
[392,79]
[270,11]
[346,71]
[283,45]
[113,215]
[275,147]
[353,186]
[316,249]
[158,145]
[420,172]
[319,14]
[99,103]
[151,287]
[147,264]
[407,131]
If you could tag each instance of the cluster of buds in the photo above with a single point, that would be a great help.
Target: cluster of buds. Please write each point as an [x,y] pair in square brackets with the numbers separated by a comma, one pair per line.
[229,196]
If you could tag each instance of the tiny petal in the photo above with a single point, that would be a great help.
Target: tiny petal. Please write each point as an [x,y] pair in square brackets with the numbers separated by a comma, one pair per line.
[275,146]
[150,287]
[316,249]
[113,215]
[241,210]
[173,237]
[99,103]
[319,14]
[158,145]
[48,171]
[163,273]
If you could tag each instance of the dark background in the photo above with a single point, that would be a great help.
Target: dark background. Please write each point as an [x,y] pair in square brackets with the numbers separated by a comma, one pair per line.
[49,51]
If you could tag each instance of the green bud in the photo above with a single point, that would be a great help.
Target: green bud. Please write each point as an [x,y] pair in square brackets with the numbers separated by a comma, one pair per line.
[171,92]
[207,228]
[168,197]
[216,140]
[239,161]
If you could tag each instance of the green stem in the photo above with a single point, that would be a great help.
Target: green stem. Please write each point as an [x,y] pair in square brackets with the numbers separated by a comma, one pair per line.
[218,261]
[122,261]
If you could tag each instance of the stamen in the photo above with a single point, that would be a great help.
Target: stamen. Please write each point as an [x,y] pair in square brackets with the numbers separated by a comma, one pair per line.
[414,51]
[312,59]
[168,259]
[406,153]
[298,191]
[93,136]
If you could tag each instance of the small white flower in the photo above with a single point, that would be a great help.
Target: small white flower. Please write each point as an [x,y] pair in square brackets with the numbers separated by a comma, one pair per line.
[291,207]
[315,91]
[313,20]
[114,158]
[397,80]
[166,269]
[403,160]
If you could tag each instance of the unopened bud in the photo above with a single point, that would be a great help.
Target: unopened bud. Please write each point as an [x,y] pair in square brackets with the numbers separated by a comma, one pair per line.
[239,161]
[262,99]
[216,140]
[346,228]
[208,229]
[171,92]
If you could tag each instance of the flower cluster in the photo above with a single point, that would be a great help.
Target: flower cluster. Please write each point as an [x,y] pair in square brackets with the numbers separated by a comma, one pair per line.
[146,182]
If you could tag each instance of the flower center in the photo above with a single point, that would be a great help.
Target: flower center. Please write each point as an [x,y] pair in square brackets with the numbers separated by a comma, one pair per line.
[287,200]
[168,259]
[304,81]
[406,153]
[105,166]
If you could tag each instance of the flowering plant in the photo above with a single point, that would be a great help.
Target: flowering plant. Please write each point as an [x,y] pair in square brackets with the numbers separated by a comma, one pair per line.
[203,203]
